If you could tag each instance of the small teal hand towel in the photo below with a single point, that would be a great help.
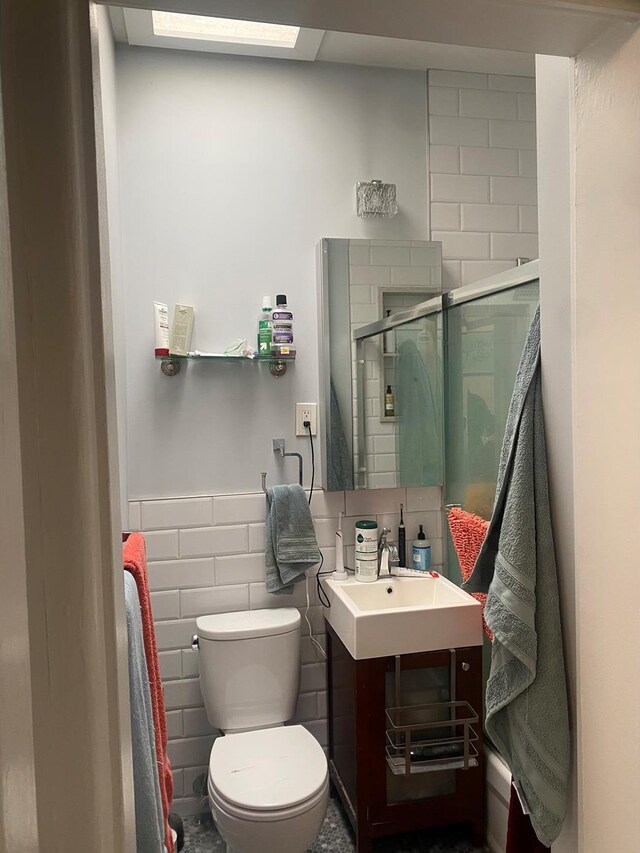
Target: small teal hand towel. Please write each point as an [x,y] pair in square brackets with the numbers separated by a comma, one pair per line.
[290,538]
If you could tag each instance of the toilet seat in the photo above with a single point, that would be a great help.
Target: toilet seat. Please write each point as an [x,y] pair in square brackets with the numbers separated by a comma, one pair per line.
[268,774]
[219,804]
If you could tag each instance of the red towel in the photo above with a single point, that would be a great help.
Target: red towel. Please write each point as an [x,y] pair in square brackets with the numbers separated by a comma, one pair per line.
[521,837]
[135,561]
[468,532]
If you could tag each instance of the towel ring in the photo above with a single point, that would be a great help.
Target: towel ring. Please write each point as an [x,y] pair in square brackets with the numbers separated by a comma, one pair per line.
[278,447]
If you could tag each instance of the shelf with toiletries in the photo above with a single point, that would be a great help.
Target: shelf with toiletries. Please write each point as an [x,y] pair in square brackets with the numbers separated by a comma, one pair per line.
[274,338]
[170,364]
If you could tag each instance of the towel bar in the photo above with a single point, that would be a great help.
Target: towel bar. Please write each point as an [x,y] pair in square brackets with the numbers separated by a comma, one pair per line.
[278,447]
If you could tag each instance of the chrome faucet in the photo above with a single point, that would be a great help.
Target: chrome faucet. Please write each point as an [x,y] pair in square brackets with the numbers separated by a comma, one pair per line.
[387,554]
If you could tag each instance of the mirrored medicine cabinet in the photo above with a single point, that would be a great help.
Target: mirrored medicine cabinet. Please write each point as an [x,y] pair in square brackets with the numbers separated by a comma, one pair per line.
[381,363]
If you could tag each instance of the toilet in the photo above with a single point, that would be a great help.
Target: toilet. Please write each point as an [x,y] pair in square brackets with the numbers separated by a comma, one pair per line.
[268,783]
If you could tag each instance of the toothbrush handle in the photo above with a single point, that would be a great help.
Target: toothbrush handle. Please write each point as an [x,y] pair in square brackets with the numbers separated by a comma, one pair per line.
[402,547]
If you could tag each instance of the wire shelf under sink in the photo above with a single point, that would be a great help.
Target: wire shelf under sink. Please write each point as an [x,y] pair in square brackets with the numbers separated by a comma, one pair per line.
[451,746]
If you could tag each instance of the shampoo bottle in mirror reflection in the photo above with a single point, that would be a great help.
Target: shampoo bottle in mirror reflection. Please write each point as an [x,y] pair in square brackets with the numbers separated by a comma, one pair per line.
[421,551]
[389,403]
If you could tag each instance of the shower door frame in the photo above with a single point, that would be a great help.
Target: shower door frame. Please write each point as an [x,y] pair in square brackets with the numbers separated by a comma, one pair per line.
[523,274]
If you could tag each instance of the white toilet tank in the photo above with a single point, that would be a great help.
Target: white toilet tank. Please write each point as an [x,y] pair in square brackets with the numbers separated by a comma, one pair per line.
[249,667]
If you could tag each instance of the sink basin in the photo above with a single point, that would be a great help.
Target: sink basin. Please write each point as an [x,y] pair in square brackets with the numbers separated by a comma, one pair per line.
[398,615]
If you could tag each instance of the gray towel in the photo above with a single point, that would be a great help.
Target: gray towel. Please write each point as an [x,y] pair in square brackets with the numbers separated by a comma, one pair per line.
[526,700]
[290,538]
[148,804]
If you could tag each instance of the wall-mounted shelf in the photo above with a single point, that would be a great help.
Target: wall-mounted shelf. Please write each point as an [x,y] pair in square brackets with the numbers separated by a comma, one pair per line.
[171,364]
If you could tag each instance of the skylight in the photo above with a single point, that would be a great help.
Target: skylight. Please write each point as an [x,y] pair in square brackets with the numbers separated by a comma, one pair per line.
[178,31]
[175,24]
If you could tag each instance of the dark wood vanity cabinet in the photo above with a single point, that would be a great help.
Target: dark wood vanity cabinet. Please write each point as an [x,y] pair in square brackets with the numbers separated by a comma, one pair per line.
[385,786]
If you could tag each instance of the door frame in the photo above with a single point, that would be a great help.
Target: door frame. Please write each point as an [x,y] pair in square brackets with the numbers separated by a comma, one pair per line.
[68,735]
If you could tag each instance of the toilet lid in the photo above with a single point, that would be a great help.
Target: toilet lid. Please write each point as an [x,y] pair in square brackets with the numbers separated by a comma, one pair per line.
[269,768]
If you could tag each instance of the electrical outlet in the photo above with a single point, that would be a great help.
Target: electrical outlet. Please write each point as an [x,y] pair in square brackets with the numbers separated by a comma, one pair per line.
[306,412]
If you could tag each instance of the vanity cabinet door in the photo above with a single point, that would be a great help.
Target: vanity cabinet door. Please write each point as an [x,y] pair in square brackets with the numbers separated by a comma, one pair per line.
[364,746]
[433,692]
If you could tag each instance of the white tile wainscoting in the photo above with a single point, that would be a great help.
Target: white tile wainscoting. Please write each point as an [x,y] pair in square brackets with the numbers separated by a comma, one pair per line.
[206,555]
[482,153]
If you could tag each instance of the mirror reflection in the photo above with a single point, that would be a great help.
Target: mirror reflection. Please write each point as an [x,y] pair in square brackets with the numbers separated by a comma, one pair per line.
[382,392]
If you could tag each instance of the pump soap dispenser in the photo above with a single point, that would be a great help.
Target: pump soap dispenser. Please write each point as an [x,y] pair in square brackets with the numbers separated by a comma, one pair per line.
[421,550]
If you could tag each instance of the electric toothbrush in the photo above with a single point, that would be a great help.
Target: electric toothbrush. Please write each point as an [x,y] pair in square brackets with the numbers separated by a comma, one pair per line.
[402,546]
[340,573]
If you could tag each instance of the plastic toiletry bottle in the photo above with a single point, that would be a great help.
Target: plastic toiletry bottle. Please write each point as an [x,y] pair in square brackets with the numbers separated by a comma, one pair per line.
[402,540]
[366,536]
[421,550]
[282,342]
[161,318]
[389,403]
[389,340]
[265,331]
[181,330]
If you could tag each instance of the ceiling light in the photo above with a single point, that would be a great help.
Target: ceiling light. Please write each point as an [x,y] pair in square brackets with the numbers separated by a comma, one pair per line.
[373,198]
[224,30]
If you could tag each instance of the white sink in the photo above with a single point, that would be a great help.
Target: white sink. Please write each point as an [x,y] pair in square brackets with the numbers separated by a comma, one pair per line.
[399,615]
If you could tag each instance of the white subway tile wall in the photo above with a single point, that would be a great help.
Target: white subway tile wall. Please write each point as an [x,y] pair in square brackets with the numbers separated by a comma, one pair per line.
[482,138]
[228,574]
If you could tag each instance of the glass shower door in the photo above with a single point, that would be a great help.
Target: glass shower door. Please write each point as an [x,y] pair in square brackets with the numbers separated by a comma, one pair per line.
[418,370]
[399,411]
[484,342]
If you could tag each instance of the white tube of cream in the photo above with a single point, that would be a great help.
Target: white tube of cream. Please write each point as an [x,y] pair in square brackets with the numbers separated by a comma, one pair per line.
[161,328]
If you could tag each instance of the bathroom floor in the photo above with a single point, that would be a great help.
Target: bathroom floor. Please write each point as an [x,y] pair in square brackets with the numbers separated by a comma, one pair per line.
[336,836]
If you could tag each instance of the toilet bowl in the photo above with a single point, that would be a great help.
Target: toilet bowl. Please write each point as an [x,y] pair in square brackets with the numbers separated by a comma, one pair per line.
[268,789]
[268,783]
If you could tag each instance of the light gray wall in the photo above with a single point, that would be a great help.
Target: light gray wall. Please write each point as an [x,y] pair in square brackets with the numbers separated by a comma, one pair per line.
[231,171]
[606,413]
[589,125]
[110,136]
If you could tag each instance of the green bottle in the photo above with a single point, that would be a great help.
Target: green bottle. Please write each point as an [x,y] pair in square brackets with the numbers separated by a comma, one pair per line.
[265,329]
